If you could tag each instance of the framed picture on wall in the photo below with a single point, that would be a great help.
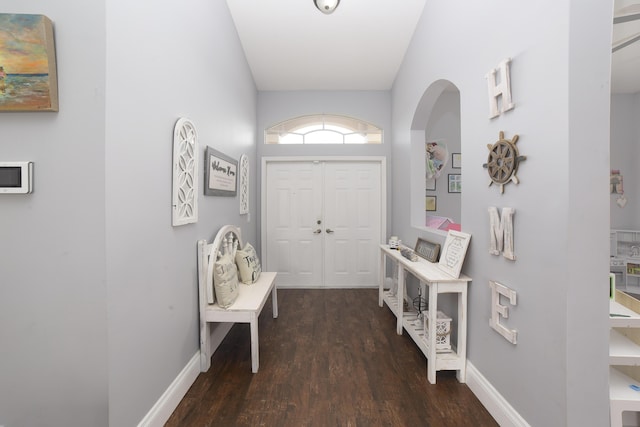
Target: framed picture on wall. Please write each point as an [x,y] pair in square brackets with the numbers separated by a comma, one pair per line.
[456,160]
[28,71]
[430,203]
[220,174]
[455,183]
[430,184]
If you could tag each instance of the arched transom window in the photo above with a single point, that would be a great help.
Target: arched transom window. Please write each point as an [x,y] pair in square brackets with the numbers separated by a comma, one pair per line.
[323,129]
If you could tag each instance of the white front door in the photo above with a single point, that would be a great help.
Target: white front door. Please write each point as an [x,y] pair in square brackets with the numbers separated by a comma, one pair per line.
[293,206]
[352,223]
[323,222]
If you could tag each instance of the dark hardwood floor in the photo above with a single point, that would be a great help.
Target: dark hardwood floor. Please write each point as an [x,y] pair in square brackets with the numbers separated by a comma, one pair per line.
[332,358]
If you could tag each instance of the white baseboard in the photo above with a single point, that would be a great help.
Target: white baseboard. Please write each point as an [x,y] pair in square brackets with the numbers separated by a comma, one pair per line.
[170,399]
[504,414]
[168,402]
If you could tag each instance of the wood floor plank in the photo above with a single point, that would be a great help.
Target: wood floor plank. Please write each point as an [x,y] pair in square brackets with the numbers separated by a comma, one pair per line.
[332,358]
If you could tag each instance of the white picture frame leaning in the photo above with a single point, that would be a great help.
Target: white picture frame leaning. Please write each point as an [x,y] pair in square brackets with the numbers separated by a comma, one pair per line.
[453,252]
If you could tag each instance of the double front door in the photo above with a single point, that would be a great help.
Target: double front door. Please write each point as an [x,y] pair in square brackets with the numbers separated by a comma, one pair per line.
[323,222]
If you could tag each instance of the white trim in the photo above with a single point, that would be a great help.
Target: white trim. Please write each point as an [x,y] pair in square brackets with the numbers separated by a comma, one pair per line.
[168,402]
[499,408]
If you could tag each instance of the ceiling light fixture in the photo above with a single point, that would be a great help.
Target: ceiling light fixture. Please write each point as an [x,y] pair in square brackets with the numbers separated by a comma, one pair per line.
[326,6]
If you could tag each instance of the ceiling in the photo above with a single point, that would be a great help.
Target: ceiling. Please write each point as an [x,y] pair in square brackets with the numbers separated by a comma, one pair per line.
[290,45]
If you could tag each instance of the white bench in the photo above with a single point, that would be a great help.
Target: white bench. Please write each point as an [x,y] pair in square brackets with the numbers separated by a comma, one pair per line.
[246,308]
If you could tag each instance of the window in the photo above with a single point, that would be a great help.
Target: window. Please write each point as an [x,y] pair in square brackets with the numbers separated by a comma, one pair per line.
[323,129]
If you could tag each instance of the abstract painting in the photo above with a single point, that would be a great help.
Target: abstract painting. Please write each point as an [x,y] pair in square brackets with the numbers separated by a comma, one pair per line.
[28,79]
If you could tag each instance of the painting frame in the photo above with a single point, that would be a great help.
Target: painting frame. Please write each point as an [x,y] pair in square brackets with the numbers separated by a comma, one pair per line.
[220,174]
[454,252]
[427,250]
[430,184]
[456,160]
[455,183]
[28,75]
[431,203]
[436,158]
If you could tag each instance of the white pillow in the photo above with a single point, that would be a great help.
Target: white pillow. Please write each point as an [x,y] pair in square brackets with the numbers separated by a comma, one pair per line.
[225,281]
[249,268]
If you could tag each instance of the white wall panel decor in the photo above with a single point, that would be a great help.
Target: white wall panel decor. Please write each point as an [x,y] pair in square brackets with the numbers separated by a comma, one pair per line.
[184,202]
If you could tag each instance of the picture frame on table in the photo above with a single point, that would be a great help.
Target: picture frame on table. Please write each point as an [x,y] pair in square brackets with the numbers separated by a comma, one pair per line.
[427,250]
[220,174]
[453,252]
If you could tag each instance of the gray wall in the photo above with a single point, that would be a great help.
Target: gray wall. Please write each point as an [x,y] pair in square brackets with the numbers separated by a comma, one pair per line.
[99,293]
[625,140]
[151,266]
[557,373]
[53,290]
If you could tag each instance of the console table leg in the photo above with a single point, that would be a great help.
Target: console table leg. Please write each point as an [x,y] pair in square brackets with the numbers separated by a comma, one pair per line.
[433,315]
[274,301]
[383,276]
[255,354]
[462,335]
[400,299]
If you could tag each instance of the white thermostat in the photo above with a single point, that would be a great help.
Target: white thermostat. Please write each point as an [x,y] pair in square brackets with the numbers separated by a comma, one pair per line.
[16,177]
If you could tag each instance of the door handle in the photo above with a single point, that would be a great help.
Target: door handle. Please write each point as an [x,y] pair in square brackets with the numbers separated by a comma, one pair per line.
[317,231]
[329,231]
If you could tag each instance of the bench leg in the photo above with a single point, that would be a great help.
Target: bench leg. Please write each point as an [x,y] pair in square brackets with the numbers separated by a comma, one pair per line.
[274,301]
[205,356]
[255,354]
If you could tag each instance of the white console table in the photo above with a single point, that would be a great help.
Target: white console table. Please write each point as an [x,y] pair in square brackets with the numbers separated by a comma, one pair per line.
[438,282]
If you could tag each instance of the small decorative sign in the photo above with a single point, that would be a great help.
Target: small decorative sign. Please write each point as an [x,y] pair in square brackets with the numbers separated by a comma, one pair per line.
[454,252]
[221,173]
[427,250]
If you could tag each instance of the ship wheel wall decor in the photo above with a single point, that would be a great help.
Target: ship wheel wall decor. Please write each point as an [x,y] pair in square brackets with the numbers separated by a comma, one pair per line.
[502,163]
